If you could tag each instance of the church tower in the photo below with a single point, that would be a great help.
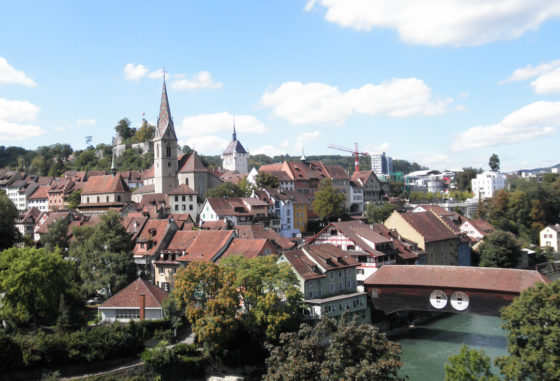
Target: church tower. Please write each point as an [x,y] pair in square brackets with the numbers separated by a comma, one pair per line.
[234,157]
[165,148]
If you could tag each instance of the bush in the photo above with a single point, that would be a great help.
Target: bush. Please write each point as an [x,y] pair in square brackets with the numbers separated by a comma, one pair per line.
[10,354]
[85,346]
[179,362]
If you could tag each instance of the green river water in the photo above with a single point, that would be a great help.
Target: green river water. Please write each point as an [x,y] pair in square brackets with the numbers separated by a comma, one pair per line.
[425,349]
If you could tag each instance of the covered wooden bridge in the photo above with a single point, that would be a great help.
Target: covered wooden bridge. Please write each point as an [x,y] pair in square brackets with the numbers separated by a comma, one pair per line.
[458,289]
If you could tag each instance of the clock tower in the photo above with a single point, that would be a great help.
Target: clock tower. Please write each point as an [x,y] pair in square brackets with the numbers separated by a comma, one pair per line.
[234,157]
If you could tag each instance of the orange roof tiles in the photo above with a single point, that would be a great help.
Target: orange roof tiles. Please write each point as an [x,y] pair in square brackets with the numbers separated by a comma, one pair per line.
[207,245]
[130,296]
[105,184]
[429,226]
[249,248]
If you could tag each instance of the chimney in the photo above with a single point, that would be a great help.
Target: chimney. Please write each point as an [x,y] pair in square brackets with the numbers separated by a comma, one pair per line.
[142,306]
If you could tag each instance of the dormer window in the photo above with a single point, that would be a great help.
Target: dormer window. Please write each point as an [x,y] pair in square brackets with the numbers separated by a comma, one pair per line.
[334,232]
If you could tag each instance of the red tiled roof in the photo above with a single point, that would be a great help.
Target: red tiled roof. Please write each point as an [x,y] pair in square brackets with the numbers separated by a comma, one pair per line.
[95,173]
[214,225]
[148,173]
[40,193]
[134,223]
[183,189]
[304,266]
[232,177]
[249,248]
[476,278]
[484,227]
[154,231]
[105,184]
[130,296]
[153,199]
[331,257]
[193,164]
[335,172]
[429,226]
[29,216]
[206,245]
[258,231]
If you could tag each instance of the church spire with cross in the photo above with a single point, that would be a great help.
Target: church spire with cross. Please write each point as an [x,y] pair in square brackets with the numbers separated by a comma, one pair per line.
[165,121]
[165,148]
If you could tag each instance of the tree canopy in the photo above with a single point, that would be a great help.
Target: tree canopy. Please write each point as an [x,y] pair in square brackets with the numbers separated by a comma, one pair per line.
[500,249]
[494,162]
[104,255]
[469,365]
[463,178]
[334,351]
[9,235]
[255,296]
[225,190]
[34,280]
[57,236]
[328,203]
[266,180]
[376,214]
[532,324]
[124,130]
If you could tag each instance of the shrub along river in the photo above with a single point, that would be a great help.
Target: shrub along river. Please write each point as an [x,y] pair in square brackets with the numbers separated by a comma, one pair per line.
[426,347]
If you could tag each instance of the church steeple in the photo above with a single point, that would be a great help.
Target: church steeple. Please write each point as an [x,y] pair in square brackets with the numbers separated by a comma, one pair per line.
[164,119]
[234,136]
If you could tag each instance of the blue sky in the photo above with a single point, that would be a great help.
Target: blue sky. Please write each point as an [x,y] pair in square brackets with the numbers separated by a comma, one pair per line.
[442,82]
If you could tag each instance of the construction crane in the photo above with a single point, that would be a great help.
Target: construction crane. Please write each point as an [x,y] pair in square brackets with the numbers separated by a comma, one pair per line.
[355,152]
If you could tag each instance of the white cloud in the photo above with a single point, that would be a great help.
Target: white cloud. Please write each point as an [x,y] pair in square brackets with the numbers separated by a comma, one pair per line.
[202,80]
[134,73]
[14,131]
[371,148]
[304,138]
[546,74]
[207,144]
[268,150]
[10,75]
[460,108]
[158,74]
[304,103]
[17,111]
[532,121]
[442,22]
[531,71]
[205,124]
[85,122]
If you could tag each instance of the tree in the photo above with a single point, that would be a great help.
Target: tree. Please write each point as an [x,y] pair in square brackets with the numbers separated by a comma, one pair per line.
[104,255]
[532,325]
[328,203]
[266,180]
[225,190]
[124,130]
[494,162]
[376,214]
[9,235]
[500,249]
[74,199]
[469,365]
[463,178]
[246,187]
[334,351]
[269,294]
[146,132]
[34,280]
[57,236]
[208,294]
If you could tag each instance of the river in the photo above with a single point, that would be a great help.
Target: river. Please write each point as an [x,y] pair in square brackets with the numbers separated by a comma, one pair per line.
[425,349]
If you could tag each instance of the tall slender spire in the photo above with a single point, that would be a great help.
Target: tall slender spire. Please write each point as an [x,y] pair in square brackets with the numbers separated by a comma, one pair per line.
[234,136]
[113,167]
[164,118]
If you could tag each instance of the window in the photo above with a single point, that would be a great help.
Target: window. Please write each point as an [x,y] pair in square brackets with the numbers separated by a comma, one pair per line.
[176,198]
[161,270]
[334,232]
[119,197]
[169,152]
[331,287]
[176,207]
[340,286]
[184,207]
[190,207]
[169,164]
[128,313]
[187,181]
[348,284]
[310,294]
[183,198]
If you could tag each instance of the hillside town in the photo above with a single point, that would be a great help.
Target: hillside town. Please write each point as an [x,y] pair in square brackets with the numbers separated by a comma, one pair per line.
[349,240]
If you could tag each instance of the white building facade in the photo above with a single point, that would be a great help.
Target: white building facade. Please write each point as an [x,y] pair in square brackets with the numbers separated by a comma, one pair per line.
[485,184]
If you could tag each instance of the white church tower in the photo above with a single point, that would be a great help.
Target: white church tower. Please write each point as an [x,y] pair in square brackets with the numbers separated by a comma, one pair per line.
[165,148]
[234,157]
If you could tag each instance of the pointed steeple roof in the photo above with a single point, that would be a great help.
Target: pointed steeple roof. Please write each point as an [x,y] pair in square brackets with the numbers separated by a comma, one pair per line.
[234,145]
[164,119]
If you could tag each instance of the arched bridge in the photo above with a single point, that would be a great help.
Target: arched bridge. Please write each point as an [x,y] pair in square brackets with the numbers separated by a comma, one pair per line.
[459,289]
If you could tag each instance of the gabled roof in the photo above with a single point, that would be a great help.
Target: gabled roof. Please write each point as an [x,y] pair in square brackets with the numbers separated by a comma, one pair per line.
[464,277]
[249,248]
[154,231]
[233,177]
[105,184]
[214,225]
[554,227]
[148,173]
[29,216]
[310,261]
[193,164]
[61,186]
[335,172]
[182,189]
[485,228]
[429,226]
[302,265]
[156,199]
[40,193]
[150,188]
[206,245]
[134,224]
[363,176]
[130,296]
[259,231]
[407,249]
